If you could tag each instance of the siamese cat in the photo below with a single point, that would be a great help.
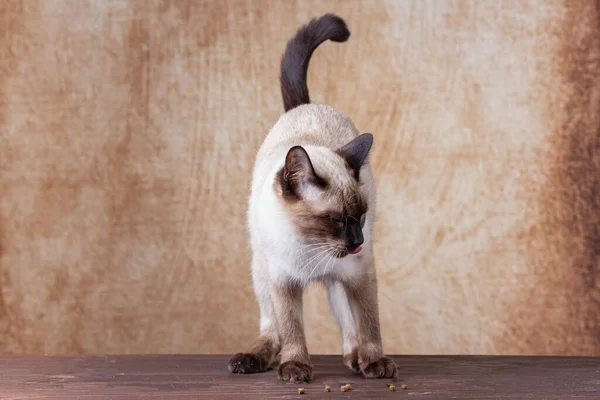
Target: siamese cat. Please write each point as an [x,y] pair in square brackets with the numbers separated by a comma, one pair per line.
[310,218]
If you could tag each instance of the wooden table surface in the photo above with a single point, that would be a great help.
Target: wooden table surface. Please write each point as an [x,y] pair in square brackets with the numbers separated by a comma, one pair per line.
[206,377]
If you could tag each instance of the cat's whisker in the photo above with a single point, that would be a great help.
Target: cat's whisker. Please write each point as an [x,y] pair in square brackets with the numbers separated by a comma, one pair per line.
[307,262]
[331,261]
[305,250]
[311,250]
[317,247]
[322,254]
[317,266]
[312,260]
[315,244]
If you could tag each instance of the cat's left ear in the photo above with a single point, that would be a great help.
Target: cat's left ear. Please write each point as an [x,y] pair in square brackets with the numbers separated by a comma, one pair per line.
[356,151]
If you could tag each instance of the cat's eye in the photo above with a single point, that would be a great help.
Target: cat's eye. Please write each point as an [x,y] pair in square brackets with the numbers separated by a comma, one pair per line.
[337,220]
[362,220]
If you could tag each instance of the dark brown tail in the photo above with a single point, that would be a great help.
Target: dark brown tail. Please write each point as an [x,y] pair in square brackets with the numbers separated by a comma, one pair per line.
[299,49]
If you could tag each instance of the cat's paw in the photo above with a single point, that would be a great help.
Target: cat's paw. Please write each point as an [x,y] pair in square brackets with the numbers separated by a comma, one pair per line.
[384,367]
[295,371]
[351,361]
[246,363]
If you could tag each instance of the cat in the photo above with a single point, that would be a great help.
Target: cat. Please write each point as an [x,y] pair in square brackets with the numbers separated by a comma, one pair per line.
[311,213]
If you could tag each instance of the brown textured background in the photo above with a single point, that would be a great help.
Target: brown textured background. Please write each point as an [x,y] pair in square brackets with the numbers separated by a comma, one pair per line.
[128,130]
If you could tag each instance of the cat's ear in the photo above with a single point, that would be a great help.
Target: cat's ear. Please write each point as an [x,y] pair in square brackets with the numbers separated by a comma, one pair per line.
[298,173]
[356,151]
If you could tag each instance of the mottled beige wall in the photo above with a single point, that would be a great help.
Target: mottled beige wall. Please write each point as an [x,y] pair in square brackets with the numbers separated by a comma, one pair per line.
[127,136]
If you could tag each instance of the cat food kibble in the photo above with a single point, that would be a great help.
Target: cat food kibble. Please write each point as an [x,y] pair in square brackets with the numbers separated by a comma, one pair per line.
[392,388]
[301,391]
[344,388]
[327,388]
[404,387]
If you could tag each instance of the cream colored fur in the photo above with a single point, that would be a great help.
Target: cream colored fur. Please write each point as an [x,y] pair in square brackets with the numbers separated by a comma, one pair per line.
[282,257]
[273,237]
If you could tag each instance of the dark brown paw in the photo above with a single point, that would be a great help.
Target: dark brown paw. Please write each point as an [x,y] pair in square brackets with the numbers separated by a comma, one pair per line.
[385,367]
[245,363]
[295,371]
[351,361]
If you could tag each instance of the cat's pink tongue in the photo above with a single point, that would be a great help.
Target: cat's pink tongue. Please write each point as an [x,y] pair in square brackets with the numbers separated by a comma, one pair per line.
[356,250]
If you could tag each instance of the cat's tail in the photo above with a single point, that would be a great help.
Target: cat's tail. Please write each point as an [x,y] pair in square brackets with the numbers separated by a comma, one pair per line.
[299,49]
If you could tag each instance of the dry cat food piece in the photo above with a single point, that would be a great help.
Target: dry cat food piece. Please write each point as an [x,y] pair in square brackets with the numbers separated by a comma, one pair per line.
[404,387]
[348,386]
[392,388]
[343,388]
[301,391]
[327,388]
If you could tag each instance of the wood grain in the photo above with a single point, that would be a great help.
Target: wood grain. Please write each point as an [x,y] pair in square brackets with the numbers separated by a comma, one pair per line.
[205,377]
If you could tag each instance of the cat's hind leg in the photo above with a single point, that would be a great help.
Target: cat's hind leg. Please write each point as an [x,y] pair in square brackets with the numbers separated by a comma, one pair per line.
[340,306]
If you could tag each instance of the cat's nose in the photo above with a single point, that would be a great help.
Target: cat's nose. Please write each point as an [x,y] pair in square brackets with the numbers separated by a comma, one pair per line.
[354,238]
[355,242]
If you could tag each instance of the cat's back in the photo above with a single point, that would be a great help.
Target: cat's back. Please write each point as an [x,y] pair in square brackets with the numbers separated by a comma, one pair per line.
[308,125]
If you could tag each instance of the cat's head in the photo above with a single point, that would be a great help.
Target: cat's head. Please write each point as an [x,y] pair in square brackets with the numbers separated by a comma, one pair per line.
[322,195]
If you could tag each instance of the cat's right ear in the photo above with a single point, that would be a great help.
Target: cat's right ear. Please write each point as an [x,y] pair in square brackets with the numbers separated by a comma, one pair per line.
[356,151]
[298,174]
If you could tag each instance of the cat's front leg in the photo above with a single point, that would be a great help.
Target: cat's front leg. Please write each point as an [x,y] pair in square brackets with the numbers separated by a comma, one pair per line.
[295,363]
[261,355]
[362,295]
[258,358]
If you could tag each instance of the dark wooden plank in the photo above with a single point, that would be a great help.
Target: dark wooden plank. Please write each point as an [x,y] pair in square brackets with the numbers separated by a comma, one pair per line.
[205,377]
